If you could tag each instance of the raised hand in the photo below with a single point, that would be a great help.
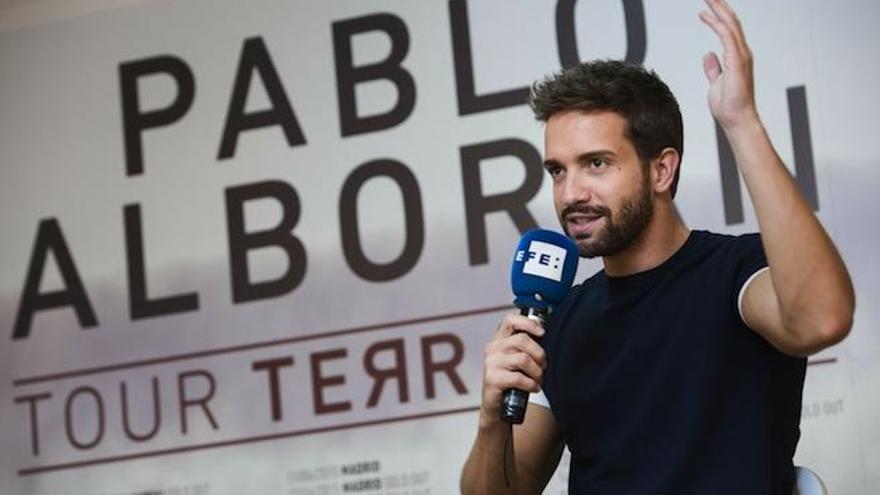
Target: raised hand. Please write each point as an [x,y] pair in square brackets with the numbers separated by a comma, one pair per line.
[731,82]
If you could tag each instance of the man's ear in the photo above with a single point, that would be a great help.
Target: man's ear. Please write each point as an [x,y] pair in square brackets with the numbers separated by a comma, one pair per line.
[664,169]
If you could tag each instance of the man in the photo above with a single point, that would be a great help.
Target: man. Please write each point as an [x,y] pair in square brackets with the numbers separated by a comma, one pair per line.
[679,367]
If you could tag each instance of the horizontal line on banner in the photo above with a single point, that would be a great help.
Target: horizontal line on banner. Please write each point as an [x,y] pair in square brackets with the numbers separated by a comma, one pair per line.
[240,441]
[257,345]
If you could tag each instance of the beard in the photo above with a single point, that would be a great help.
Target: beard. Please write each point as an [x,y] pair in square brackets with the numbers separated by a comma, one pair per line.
[621,229]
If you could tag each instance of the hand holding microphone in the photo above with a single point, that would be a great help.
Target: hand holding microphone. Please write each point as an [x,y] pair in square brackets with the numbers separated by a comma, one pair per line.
[543,269]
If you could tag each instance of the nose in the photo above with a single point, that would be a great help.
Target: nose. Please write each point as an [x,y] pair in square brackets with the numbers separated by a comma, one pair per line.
[573,188]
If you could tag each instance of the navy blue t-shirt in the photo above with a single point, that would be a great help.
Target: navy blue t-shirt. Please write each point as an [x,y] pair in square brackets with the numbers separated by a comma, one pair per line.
[660,388]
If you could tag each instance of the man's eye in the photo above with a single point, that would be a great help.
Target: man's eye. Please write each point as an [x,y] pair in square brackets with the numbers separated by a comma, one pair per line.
[554,171]
[598,162]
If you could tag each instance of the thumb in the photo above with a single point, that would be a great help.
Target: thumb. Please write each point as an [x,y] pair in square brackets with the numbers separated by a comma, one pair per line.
[711,66]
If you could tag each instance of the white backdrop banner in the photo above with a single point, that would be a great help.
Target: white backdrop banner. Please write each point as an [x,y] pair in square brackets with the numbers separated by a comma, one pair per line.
[258,247]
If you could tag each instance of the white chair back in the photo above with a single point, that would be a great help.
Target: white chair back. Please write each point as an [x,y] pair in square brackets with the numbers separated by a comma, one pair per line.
[808,482]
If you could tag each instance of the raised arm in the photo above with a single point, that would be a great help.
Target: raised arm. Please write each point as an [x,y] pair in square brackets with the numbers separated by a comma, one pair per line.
[507,460]
[805,301]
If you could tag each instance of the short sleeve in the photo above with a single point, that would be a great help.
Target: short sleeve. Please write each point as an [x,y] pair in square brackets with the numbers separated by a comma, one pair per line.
[751,261]
[540,399]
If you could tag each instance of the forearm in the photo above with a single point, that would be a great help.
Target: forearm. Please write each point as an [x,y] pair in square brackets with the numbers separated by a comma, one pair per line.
[483,472]
[812,285]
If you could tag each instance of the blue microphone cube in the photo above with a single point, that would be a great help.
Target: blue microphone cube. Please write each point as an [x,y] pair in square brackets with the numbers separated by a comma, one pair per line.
[543,269]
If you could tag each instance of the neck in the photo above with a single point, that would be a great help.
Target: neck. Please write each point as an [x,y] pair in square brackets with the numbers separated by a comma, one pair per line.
[664,235]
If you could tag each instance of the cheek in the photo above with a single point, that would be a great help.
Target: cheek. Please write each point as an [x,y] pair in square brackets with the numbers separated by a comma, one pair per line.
[606,190]
[628,185]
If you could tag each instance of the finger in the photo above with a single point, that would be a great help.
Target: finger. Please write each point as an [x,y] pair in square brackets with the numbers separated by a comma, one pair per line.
[723,11]
[711,66]
[512,371]
[515,322]
[731,49]
[523,363]
[519,381]
[497,352]
[517,353]
[522,382]
[523,343]
[728,17]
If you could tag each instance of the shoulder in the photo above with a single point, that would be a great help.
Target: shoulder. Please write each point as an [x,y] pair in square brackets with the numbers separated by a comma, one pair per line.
[728,260]
[742,258]
[728,246]
[728,239]
[708,237]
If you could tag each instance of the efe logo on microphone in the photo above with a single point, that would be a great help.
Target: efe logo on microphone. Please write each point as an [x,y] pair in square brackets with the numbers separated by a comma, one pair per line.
[544,260]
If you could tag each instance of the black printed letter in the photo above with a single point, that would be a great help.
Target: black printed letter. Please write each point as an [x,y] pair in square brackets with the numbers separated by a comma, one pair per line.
[240,242]
[348,76]
[477,206]
[134,121]
[254,56]
[50,238]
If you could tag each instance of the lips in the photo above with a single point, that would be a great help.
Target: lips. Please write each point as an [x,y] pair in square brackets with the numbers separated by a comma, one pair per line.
[582,225]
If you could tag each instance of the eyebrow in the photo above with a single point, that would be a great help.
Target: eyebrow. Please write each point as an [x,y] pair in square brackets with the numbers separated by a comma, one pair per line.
[584,157]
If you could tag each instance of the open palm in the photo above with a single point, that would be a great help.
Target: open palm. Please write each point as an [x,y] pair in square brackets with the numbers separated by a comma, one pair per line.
[731,84]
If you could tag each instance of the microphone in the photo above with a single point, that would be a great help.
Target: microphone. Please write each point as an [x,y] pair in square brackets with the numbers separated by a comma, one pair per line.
[544,266]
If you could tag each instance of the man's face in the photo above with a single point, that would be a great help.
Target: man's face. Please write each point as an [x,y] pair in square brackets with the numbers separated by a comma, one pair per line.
[601,191]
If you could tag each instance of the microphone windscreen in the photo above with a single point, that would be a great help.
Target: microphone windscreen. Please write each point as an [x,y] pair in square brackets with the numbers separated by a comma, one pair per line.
[543,269]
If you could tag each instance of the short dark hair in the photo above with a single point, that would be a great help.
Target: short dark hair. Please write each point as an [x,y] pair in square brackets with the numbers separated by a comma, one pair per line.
[635,93]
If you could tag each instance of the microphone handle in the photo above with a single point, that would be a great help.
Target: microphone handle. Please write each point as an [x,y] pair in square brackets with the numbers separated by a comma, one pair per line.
[514,402]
